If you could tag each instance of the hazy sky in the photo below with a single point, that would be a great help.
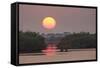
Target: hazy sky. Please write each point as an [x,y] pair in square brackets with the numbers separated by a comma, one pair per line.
[68,19]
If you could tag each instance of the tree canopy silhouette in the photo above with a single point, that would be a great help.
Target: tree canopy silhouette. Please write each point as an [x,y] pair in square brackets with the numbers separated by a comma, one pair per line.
[77,40]
[30,42]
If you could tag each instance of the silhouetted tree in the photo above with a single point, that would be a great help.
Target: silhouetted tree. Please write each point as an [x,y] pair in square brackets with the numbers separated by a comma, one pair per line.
[77,40]
[30,42]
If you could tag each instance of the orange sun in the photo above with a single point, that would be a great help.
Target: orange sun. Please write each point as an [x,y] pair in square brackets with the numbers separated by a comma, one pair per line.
[49,23]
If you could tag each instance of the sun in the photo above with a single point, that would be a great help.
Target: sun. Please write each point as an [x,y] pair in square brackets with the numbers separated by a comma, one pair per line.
[49,22]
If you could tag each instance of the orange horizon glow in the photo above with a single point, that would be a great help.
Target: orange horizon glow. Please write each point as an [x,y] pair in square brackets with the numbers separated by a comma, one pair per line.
[50,50]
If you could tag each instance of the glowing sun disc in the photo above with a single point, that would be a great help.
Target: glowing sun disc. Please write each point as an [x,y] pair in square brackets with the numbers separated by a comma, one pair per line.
[49,22]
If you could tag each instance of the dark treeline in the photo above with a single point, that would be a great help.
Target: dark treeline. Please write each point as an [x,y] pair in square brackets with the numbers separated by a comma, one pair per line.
[77,40]
[30,42]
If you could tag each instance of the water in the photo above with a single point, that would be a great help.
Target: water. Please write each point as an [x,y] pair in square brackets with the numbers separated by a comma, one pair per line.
[50,50]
